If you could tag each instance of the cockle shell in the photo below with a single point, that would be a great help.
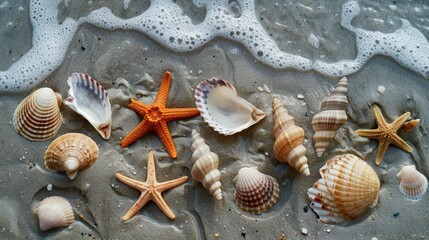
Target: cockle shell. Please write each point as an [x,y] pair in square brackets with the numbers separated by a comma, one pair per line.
[206,163]
[88,98]
[413,185]
[255,192]
[288,147]
[223,109]
[70,153]
[54,212]
[331,117]
[348,187]
[38,116]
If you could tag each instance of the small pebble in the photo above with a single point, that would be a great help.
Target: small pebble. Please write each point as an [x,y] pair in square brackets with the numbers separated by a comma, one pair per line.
[395,214]
[304,231]
[49,187]
[260,89]
[306,208]
[267,89]
[216,235]
[381,89]
[374,238]
[300,96]
[328,230]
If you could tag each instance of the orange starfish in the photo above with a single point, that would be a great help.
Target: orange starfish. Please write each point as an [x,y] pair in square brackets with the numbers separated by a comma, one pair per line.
[386,133]
[156,117]
[150,190]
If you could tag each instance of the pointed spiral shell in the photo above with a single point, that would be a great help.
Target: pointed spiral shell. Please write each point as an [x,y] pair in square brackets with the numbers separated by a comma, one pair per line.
[205,168]
[288,147]
[413,185]
[54,212]
[71,152]
[38,116]
[331,117]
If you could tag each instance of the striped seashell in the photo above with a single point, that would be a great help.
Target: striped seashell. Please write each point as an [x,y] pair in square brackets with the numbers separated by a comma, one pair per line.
[38,116]
[206,163]
[288,147]
[413,185]
[255,192]
[223,109]
[348,187]
[54,212]
[88,98]
[70,153]
[331,117]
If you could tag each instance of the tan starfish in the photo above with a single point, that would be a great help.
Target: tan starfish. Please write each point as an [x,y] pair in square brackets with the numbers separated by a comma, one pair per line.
[150,190]
[386,133]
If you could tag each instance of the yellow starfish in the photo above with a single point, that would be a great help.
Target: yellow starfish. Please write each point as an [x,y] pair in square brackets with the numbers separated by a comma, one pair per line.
[386,133]
[150,190]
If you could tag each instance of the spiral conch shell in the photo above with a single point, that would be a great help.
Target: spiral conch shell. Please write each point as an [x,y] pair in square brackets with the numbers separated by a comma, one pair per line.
[348,187]
[331,117]
[413,185]
[54,212]
[70,153]
[288,146]
[205,168]
[38,116]
[255,192]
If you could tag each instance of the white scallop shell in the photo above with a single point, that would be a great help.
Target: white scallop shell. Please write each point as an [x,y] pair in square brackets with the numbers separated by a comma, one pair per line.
[88,98]
[223,109]
[413,185]
[54,212]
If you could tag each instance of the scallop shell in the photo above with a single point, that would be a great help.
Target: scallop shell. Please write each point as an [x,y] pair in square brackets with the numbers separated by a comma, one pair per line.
[206,163]
[255,192]
[38,116]
[348,187]
[54,212]
[288,147]
[223,109]
[88,98]
[413,185]
[331,117]
[70,153]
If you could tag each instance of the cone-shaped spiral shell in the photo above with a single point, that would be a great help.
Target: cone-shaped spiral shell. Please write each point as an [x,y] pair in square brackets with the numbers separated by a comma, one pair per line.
[348,187]
[255,192]
[38,116]
[88,98]
[413,185]
[70,153]
[288,147]
[331,117]
[222,109]
[54,212]
[205,168]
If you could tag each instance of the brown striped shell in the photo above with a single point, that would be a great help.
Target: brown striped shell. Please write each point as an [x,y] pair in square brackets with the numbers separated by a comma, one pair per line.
[255,192]
[413,185]
[70,153]
[38,116]
[54,212]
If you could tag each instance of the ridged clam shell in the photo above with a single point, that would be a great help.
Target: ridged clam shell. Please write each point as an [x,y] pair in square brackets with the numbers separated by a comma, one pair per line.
[38,116]
[70,153]
[54,212]
[255,192]
[413,185]
[288,147]
[331,117]
[348,187]
[223,109]
[206,163]
[88,98]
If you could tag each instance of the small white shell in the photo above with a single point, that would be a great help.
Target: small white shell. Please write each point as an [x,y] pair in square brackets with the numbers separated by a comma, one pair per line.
[413,185]
[222,109]
[88,98]
[54,212]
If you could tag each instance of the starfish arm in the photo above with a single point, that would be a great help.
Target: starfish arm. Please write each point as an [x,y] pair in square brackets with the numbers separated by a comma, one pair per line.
[141,186]
[164,134]
[144,198]
[397,124]
[170,114]
[381,122]
[141,129]
[382,149]
[400,143]
[139,107]
[162,96]
[171,184]
[369,133]
[157,198]
[151,173]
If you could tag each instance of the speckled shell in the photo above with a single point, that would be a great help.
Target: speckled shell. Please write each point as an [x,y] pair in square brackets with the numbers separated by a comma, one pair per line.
[206,163]
[88,98]
[222,109]
[288,147]
[54,212]
[38,116]
[70,153]
[413,185]
[255,192]
[331,117]
[348,187]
